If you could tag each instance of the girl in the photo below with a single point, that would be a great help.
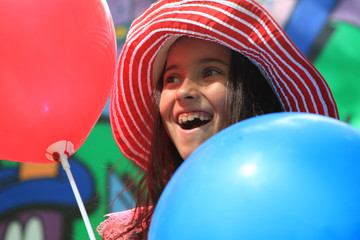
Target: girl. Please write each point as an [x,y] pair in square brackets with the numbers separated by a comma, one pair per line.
[190,68]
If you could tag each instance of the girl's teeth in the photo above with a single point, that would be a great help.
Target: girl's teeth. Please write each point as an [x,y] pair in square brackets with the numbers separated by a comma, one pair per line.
[183,119]
[190,117]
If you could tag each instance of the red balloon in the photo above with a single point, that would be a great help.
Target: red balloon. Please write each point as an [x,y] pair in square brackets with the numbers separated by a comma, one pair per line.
[57,64]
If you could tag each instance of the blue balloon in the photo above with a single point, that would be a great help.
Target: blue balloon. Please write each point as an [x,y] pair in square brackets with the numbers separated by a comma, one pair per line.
[276,176]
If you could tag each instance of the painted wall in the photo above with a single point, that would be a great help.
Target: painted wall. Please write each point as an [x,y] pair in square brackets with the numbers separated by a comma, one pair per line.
[36,201]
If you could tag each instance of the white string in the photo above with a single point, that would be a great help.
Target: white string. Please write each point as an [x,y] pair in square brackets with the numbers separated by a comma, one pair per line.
[66,166]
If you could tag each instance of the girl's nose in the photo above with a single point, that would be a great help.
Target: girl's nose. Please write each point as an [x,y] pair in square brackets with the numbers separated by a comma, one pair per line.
[187,92]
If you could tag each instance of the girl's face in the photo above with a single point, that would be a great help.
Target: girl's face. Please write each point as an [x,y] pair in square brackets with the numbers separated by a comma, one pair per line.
[192,101]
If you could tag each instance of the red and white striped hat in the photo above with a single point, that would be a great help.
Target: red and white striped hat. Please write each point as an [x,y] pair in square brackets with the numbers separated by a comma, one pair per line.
[242,25]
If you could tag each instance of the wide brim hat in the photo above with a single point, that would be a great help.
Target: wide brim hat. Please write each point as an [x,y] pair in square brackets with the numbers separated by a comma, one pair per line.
[241,25]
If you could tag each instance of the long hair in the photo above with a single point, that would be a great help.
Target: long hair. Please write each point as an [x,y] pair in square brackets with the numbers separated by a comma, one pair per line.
[248,92]
[248,95]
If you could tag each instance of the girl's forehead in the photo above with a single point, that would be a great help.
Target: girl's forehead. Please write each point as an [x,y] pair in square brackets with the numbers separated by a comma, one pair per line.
[191,42]
[197,50]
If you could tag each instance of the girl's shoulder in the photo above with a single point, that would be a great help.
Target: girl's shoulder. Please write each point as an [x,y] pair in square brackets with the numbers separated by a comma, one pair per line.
[117,223]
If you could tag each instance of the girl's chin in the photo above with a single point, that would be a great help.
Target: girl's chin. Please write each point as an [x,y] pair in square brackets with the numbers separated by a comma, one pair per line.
[185,153]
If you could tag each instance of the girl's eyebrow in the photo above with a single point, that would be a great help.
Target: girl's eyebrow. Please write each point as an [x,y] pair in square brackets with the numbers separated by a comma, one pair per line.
[201,61]
[171,67]
[207,60]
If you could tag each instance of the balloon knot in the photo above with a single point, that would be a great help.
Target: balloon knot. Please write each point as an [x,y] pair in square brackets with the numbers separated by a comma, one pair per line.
[56,157]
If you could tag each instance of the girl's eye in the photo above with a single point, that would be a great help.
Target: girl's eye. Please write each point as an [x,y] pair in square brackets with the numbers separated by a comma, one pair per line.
[210,72]
[171,79]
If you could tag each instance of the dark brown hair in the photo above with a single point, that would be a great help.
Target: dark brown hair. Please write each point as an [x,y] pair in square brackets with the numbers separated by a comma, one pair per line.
[248,94]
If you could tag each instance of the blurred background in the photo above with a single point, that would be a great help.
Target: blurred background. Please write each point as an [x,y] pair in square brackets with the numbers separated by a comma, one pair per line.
[326,31]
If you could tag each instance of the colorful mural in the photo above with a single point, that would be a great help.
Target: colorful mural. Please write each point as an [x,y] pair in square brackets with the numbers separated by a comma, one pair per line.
[328,33]
[36,201]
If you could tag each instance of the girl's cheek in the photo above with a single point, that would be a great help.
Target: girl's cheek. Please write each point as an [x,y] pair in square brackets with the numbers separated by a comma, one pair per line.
[164,102]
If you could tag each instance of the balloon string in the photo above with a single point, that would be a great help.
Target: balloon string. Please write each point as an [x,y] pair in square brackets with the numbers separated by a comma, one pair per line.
[66,166]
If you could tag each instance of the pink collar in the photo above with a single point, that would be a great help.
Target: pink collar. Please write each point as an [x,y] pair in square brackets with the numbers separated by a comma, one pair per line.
[117,223]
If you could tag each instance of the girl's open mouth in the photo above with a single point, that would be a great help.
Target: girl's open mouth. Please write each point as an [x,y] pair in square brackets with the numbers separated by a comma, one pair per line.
[193,120]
